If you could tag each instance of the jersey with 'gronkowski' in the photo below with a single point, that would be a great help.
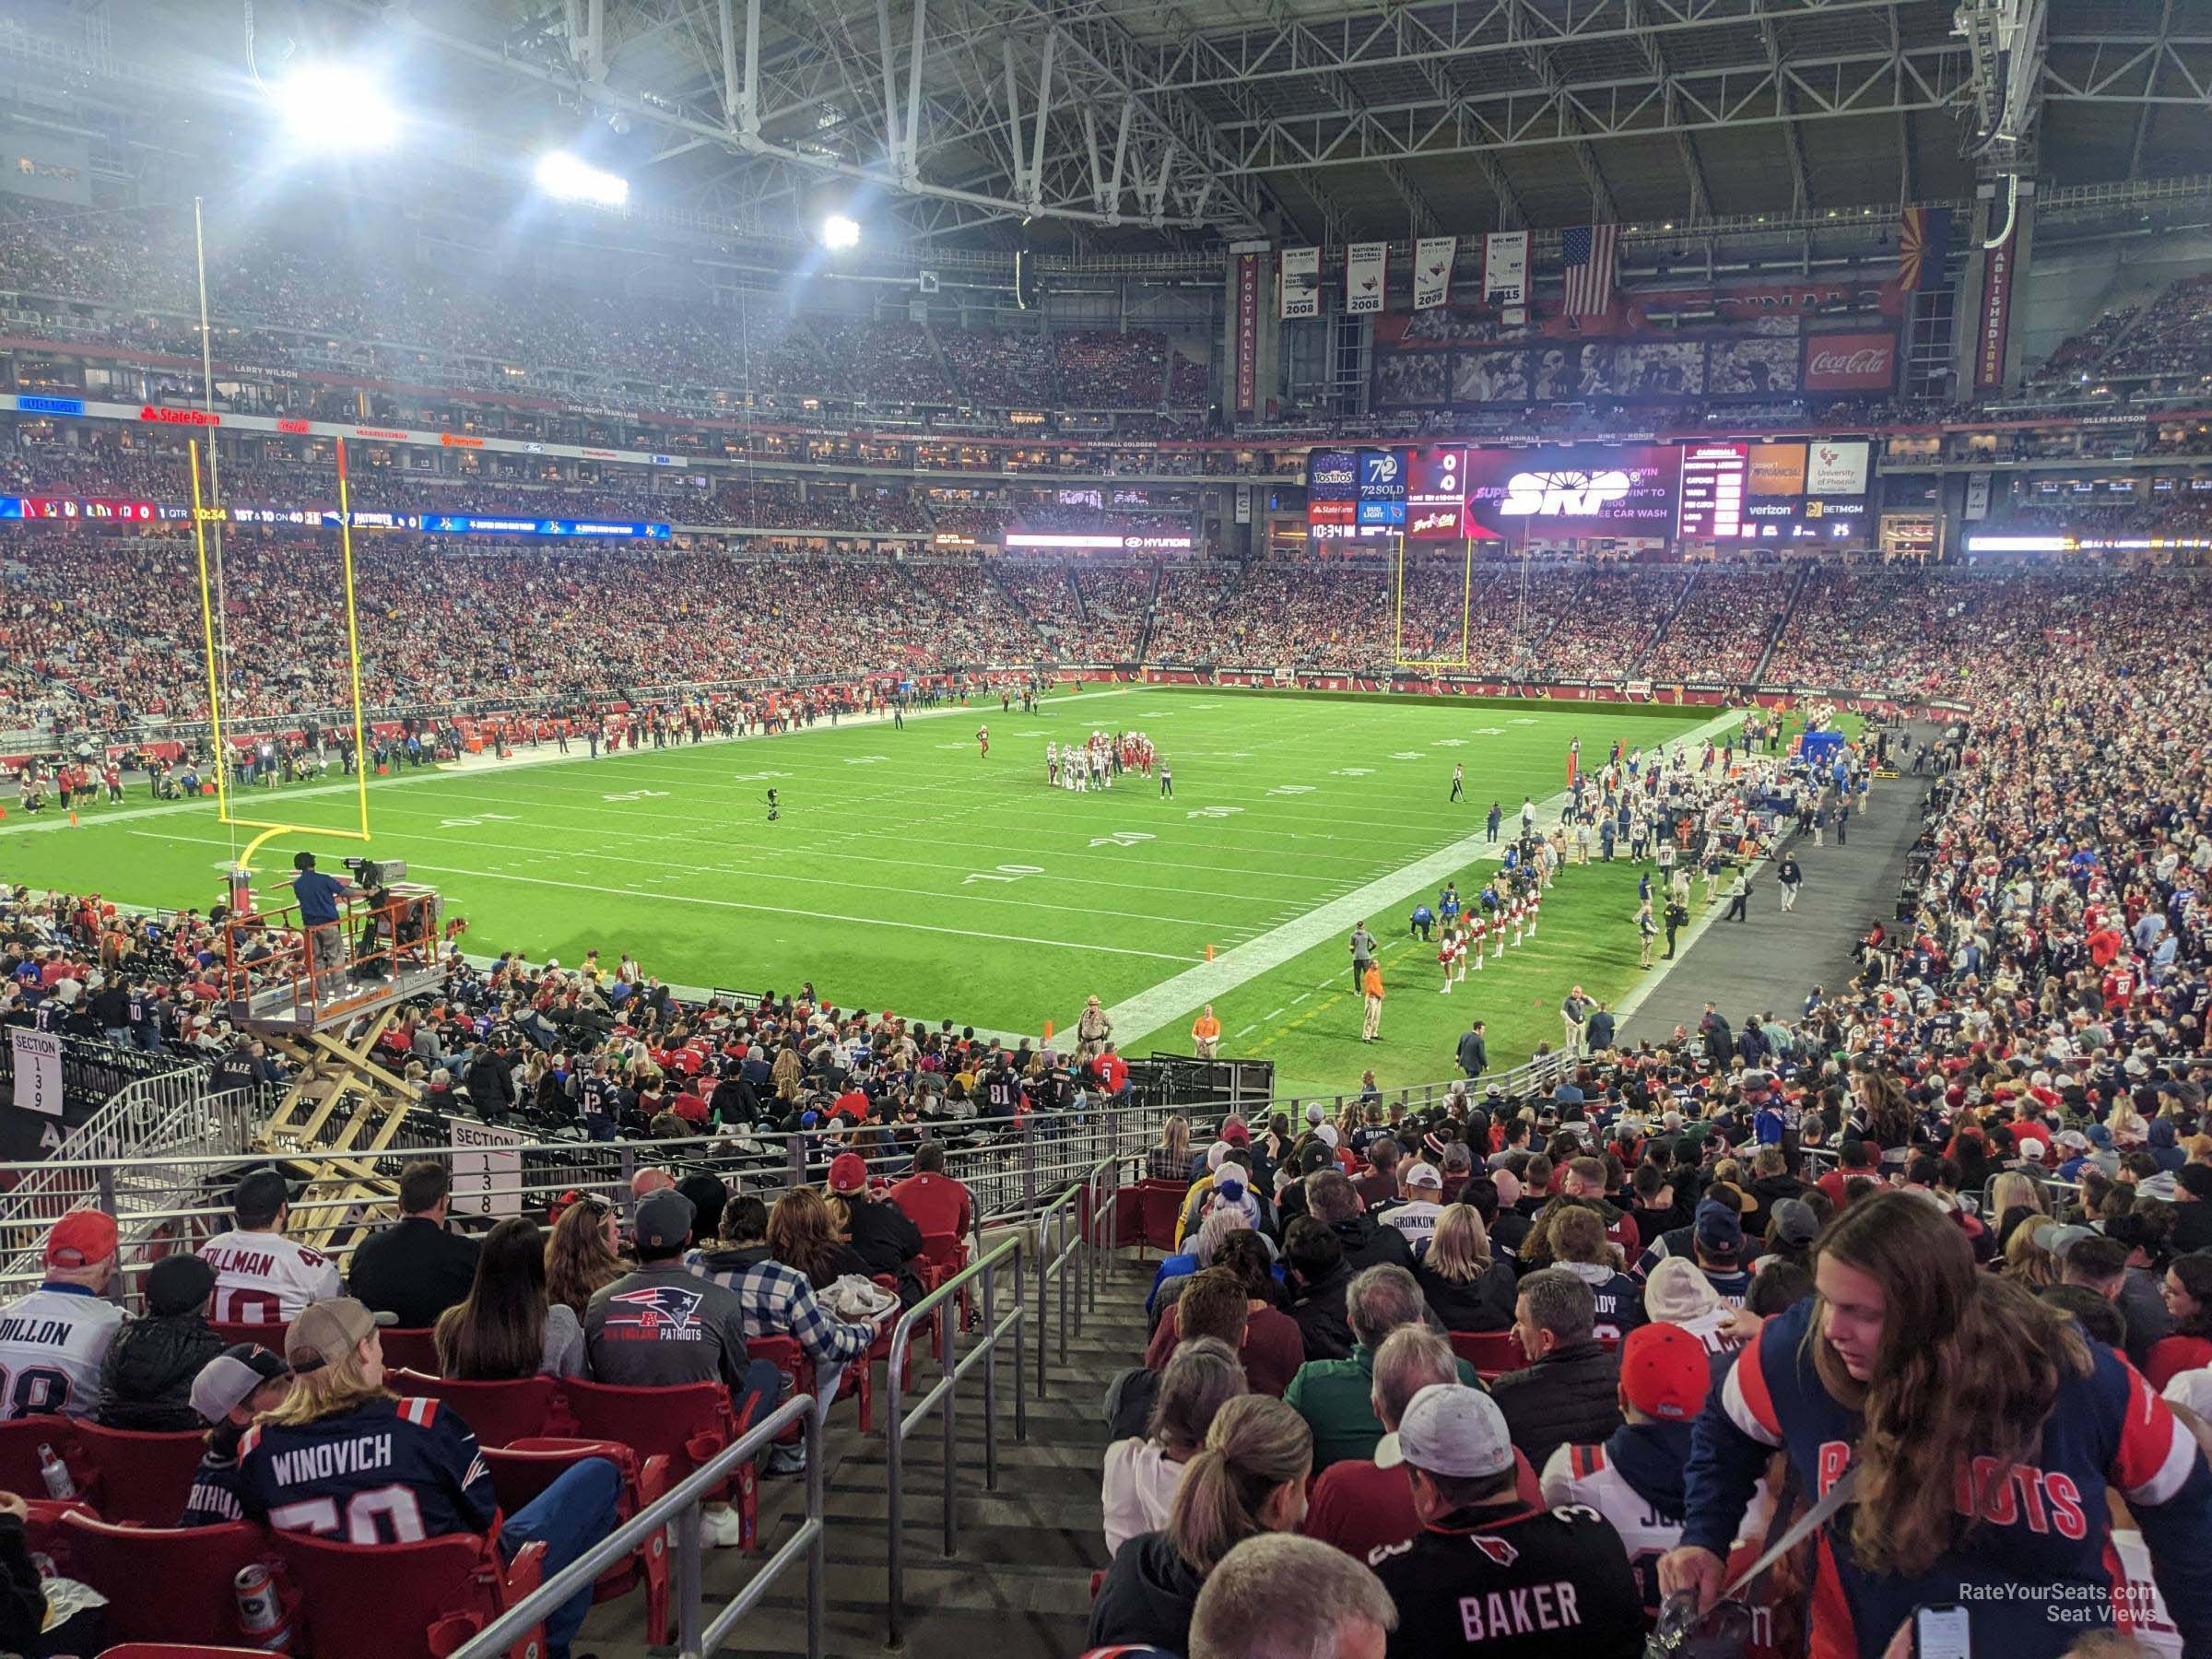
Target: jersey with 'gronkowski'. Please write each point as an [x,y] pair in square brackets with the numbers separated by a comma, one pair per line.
[392,1471]
[2042,1525]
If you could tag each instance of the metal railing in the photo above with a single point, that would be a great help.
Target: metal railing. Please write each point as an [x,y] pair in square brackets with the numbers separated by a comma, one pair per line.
[1069,1228]
[695,1637]
[945,1395]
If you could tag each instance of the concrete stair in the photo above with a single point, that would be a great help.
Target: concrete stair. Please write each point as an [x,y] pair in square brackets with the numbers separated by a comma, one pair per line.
[1019,1583]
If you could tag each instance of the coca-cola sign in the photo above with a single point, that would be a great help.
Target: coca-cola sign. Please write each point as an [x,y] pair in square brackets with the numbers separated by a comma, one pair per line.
[1850,362]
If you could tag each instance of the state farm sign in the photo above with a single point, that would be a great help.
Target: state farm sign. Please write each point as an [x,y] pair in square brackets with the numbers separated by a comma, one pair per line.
[1850,362]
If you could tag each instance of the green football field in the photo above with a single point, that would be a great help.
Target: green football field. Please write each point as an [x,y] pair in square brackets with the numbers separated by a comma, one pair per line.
[909,872]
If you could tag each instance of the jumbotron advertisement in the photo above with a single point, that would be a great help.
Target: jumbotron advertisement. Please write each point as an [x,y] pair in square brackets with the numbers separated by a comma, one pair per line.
[1575,490]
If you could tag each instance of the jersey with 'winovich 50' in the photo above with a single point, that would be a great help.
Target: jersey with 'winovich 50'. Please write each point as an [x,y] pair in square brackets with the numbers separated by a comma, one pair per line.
[392,1471]
[52,1343]
[267,1278]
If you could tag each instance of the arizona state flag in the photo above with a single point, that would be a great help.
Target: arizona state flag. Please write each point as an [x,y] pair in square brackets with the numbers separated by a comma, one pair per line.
[1922,244]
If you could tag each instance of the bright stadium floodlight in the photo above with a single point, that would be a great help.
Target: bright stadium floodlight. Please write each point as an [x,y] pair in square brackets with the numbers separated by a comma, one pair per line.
[563,177]
[839,233]
[337,107]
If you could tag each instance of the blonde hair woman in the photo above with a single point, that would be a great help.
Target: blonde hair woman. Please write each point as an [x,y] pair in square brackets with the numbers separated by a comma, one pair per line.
[338,1403]
[1467,1287]
[1250,1480]
[1171,1159]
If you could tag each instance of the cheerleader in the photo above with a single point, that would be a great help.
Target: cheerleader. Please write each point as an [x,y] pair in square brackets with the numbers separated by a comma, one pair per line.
[1513,914]
[1535,906]
[1447,957]
[1474,930]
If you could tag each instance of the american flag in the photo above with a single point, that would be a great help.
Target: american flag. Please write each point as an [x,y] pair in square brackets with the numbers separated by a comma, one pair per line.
[1590,253]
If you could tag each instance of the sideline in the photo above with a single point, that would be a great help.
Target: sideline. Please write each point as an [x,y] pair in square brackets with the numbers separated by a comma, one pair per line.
[1155,1007]
[487,763]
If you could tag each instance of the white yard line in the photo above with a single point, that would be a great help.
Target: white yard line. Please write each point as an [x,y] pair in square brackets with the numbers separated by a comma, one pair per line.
[1209,982]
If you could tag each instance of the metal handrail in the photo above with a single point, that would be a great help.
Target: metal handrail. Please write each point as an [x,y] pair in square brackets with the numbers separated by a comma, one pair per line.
[940,1302]
[1052,1225]
[680,1504]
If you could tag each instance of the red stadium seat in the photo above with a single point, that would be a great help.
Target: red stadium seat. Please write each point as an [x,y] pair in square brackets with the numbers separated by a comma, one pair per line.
[170,1650]
[407,1601]
[1527,1483]
[163,1583]
[521,1471]
[20,1444]
[1491,1353]
[1160,1207]
[142,1479]
[270,1336]
[785,1354]
[414,1348]
[681,1427]
[496,1413]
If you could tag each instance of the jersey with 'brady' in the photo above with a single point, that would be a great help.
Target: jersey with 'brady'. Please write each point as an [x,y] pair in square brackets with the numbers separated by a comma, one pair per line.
[390,1471]
[1527,1584]
[267,1278]
[51,1345]
[2043,1525]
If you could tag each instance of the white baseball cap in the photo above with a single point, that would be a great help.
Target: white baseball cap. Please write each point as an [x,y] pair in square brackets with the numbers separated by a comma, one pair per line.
[1452,1431]
[1424,1175]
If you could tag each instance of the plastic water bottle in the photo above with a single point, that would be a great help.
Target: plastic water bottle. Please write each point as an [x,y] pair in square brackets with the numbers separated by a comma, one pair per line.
[55,1474]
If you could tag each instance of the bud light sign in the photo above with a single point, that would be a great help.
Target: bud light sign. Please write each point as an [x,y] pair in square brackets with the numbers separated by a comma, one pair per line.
[1850,362]
[1382,487]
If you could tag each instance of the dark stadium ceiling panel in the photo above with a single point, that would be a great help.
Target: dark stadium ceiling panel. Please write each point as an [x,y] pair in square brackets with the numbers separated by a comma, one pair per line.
[1134,124]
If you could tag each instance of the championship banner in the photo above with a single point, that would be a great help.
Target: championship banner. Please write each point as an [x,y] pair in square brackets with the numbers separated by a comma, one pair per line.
[1301,282]
[1432,271]
[1364,267]
[1977,495]
[1505,273]
[1248,330]
[1996,318]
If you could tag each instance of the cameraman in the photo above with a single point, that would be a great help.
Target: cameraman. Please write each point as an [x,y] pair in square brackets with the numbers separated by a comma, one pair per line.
[317,896]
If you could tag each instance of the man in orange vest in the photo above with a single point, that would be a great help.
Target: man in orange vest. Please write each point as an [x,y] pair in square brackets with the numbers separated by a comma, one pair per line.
[1206,1033]
[1370,987]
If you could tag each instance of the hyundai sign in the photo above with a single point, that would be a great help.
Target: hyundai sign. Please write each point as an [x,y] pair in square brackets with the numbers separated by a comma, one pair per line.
[1583,489]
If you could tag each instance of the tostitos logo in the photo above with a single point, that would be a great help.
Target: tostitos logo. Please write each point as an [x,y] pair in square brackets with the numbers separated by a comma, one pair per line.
[1562,494]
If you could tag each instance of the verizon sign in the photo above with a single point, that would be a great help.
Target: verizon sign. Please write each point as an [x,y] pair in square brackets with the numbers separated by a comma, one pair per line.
[1851,362]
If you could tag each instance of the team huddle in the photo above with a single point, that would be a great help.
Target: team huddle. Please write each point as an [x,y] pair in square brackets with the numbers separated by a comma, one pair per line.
[1100,760]
[1509,906]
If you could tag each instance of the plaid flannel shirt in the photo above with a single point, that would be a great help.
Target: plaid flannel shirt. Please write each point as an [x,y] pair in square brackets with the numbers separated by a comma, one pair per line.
[776,1300]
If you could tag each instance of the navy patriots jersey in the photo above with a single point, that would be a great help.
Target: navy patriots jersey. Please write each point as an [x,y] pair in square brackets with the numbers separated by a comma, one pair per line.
[392,1471]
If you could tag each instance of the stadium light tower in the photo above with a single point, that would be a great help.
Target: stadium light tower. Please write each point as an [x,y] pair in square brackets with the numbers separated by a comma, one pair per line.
[563,177]
[337,107]
[839,233]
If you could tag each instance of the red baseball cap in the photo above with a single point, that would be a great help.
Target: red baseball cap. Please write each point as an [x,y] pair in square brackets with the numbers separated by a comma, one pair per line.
[1663,1372]
[848,1173]
[81,1239]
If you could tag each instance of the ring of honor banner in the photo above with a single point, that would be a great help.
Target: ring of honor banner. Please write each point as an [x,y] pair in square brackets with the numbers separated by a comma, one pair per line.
[1365,265]
[1432,271]
[1301,282]
[1248,331]
[1505,273]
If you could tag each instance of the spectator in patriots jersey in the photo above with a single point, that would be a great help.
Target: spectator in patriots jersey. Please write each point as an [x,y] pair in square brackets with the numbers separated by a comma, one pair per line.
[54,1341]
[345,1459]
[231,1391]
[261,1277]
[664,1326]
[1987,1436]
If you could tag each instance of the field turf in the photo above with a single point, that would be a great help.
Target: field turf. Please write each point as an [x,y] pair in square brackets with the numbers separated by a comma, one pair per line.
[909,872]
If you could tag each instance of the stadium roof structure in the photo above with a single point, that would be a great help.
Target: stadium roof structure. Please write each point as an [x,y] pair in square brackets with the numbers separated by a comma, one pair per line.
[1133,124]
